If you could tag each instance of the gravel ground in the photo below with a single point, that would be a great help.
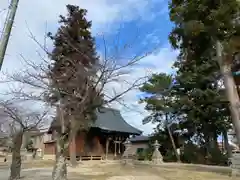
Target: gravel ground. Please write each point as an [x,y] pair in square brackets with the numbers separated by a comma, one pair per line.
[105,171]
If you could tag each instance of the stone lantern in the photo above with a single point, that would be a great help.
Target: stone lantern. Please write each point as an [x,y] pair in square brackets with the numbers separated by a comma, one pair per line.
[127,155]
[156,156]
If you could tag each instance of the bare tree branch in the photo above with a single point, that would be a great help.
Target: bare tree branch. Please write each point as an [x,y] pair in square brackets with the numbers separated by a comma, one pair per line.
[14,113]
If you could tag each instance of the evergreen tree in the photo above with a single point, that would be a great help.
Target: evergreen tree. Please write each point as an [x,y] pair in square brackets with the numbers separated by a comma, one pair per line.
[160,105]
[198,24]
[72,77]
[74,62]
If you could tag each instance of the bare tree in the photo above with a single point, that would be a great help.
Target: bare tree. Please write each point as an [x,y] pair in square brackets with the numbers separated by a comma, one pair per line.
[35,84]
[112,80]
[19,120]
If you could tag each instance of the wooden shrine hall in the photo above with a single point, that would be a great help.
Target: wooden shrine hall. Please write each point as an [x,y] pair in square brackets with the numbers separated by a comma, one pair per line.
[104,140]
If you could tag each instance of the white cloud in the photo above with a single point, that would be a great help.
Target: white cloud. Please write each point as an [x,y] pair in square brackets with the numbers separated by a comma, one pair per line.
[105,15]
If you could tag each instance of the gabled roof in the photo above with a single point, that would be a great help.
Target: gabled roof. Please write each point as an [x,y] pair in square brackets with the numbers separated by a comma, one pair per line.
[109,119]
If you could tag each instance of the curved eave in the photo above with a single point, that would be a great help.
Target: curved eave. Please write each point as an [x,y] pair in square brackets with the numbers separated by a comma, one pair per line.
[112,120]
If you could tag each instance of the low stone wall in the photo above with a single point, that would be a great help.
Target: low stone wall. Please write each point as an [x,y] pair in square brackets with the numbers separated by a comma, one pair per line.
[48,157]
[9,157]
[192,167]
[235,166]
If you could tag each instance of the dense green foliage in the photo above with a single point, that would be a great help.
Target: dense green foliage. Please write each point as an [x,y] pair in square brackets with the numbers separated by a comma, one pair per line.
[197,103]
[197,26]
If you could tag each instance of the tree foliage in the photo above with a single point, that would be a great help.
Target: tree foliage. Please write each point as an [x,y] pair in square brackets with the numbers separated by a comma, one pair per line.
[160,104]
[74,67]
[197,25]
[159,101]
[197,100]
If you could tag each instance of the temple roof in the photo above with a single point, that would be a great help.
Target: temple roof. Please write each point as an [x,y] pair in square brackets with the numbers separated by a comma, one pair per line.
[109,119]
[112,120]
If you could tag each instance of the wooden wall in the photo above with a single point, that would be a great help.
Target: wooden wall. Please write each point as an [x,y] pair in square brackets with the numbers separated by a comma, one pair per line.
[88,144]
[87,147]
[49,148]
[90,147]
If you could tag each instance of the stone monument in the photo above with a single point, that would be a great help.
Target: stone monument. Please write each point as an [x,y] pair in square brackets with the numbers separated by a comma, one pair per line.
[23,152]
[156,156]
[39,153]
[127,157]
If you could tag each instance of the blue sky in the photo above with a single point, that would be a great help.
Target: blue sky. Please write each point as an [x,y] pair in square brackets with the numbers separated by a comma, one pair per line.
[144,24]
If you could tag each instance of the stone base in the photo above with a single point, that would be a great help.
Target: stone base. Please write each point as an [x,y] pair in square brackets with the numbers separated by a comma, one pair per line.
[127,162]
[9,157]
[235,172]
[157,161]
[29,157]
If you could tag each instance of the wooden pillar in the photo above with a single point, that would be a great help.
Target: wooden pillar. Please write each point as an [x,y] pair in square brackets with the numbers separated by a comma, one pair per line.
[72,151]
[119,146]
[115,148]
[107,146]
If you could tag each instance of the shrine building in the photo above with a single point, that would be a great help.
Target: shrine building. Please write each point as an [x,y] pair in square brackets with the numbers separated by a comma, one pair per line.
[104,140]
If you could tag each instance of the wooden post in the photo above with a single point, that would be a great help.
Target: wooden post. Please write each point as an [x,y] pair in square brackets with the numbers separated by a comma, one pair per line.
[119,146]
[107,144]
[72,151]
[7,29]
[72,140]
[115,148]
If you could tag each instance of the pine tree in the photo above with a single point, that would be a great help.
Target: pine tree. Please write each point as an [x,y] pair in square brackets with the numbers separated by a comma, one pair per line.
[160,105]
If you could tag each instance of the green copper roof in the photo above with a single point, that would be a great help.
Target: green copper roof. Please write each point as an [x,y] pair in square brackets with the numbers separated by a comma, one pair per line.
[111,120]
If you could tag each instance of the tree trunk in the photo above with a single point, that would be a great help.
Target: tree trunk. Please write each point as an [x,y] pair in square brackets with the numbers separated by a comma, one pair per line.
[230,86]
[172,140]
[215,141]
[15,168]
[207,145]
[60,167]
[61,147]
[72,149]
[173,144]
[226,144]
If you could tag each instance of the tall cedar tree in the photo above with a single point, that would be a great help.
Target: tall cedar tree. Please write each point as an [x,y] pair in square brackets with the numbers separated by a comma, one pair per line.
[74,65]
[197,26]
[72,76]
